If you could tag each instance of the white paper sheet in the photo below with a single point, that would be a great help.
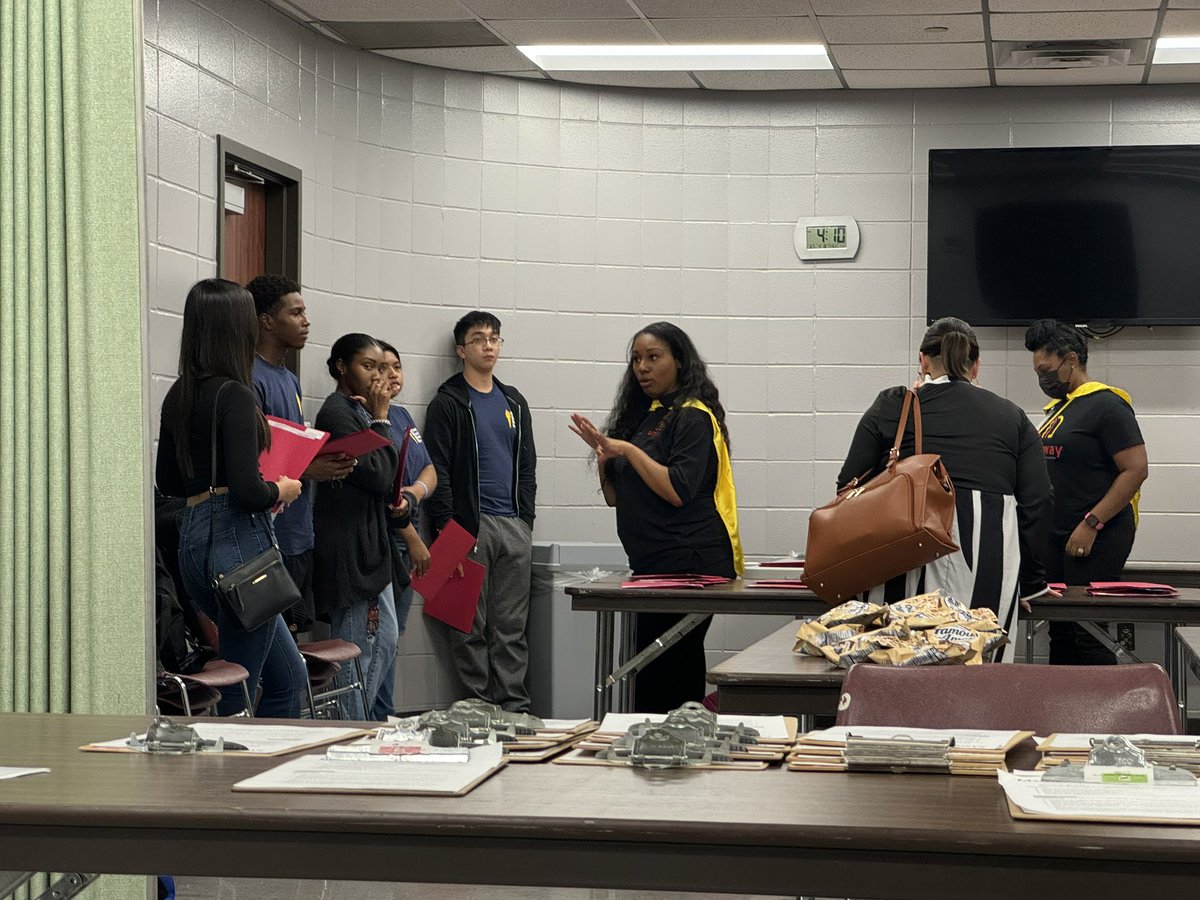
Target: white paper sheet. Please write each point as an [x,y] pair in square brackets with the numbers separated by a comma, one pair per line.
[562,724]
[376,775]
[19,772]
[771,728]
[1120,802]
[964,738]
[258,739]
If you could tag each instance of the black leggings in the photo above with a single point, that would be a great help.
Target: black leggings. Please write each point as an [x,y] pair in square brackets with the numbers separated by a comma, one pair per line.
[1070,644]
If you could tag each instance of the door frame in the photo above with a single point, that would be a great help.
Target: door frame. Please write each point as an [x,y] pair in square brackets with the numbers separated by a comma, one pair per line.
[284,229]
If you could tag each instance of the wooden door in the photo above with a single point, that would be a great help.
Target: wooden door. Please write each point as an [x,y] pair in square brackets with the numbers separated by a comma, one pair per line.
[244,253]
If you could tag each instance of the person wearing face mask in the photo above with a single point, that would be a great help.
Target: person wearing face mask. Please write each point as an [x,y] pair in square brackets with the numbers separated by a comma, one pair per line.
[353,554]
[1097,462]
[664,463]
[992,454]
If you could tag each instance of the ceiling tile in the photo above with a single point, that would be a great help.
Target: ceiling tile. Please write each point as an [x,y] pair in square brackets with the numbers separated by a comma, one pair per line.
[915,78]
[901,29]
[390,35]
[550,9]
[1043,6]
[1185,73]
[1098,75]
[575,31]
[374,11]
[629,79]
[717,9]
[792,29]
[1181,22]
[1072,26]
[768,81]
[468,59]
[888,7]
[910,56]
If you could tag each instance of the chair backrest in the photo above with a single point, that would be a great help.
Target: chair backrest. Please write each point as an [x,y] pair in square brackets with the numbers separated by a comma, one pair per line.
[1128,699]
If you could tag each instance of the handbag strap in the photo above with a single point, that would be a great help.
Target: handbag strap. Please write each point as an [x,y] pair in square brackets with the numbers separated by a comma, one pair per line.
[910,402]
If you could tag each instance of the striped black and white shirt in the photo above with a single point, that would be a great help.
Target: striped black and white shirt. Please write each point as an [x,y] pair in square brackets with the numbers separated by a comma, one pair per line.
[1004,501]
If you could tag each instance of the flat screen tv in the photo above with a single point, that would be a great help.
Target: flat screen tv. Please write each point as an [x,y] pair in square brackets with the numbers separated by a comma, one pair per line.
[1081,234]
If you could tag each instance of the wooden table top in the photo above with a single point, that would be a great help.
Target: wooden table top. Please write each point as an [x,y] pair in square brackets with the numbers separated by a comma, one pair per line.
[771,661]
[771,831]
[607,595]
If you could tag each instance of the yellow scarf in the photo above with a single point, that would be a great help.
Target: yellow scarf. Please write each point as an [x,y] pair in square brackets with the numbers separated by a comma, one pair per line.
[1054,418]
[724,496]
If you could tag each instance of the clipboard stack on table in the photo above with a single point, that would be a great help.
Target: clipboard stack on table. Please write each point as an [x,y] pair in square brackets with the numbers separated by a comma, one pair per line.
[787,573]
[877,748]
[1124,589]
[1181,750]
[775,735]
[556,737]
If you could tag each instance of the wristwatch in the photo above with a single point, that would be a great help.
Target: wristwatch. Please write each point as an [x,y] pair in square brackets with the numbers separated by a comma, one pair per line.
[1093,520]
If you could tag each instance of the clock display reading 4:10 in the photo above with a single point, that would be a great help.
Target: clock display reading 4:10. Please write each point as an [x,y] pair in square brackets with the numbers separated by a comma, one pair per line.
[825,237]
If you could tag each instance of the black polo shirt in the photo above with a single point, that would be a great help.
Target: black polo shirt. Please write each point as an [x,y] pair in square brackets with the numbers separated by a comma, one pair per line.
[1079,439]
[659,537]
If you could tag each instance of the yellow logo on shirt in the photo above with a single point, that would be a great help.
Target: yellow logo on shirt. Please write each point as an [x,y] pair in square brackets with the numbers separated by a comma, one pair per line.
[512,423]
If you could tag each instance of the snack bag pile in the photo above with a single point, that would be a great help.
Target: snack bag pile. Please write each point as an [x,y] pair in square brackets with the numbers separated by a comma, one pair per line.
[929,629]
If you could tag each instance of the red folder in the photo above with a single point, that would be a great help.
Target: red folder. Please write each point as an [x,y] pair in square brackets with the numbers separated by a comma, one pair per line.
[293,447]
[398,485]
[789,583]
[782,564]
[455,603]
[356,444]
[1131,589]
[450,548]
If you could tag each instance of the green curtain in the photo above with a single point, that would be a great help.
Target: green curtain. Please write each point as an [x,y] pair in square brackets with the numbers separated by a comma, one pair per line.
[73,611]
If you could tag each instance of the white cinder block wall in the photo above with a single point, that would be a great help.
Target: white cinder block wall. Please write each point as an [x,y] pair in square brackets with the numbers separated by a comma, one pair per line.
[577,214]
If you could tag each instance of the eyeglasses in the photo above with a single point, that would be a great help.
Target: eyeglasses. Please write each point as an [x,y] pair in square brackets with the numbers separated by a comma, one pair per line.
[492,340]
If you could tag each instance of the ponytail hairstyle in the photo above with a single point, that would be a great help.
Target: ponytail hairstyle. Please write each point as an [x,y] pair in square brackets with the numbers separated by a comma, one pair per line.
[694,383]
[344,350]
[1057,338]
[220,330]
[952,343]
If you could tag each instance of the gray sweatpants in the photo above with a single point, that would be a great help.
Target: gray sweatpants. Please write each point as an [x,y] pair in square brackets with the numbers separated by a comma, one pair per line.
[492,659]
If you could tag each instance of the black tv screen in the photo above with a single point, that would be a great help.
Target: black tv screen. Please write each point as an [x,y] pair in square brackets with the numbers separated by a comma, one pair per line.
[1080,234]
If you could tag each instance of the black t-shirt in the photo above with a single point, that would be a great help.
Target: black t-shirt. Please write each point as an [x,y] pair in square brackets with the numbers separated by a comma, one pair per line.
[659,537]
[1080,438]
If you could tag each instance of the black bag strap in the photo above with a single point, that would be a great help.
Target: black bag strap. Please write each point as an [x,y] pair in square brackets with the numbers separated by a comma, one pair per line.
[212,491]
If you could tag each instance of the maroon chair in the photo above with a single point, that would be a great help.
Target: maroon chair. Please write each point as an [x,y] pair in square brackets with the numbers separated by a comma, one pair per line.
[197,694]
[1128,699]
[324,660]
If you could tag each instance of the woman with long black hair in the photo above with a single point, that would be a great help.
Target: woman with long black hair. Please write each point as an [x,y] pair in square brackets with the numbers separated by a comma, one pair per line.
[664,464]
[352,550]
[216,358]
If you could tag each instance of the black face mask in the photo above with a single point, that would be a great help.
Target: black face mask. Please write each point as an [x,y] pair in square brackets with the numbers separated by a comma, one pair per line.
[1051,386]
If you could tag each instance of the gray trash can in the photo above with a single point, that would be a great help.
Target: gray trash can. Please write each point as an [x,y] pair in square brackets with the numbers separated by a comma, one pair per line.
[562,643]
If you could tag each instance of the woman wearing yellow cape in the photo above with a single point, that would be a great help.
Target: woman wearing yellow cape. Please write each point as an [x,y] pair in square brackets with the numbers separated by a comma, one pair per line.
[664,464]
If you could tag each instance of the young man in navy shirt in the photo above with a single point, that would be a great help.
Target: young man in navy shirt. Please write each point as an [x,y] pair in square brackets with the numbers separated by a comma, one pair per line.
[283,326]
[480,436]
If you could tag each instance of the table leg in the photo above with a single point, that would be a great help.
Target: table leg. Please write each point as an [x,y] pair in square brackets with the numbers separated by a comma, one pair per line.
[1176,670]
[628,649]
[1031,628]
[604,664]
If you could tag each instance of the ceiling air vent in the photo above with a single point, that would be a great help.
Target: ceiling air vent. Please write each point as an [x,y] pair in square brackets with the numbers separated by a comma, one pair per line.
[1069,54]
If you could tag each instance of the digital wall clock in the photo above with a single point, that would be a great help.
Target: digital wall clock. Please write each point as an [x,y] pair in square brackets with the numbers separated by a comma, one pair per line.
[826,237]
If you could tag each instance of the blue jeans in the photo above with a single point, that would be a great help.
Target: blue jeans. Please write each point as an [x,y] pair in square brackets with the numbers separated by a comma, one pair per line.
[385,704]
[268,652]
[378,649]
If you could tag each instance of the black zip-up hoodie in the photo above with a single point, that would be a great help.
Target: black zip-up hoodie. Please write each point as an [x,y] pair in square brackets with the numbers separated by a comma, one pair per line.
[449,435]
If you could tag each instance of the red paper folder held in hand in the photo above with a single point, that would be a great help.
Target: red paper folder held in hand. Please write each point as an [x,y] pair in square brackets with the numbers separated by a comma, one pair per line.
[293,447]
[448,597]
[356,444]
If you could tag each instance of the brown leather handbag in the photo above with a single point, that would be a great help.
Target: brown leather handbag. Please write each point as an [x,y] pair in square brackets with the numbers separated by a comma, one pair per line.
[875,530]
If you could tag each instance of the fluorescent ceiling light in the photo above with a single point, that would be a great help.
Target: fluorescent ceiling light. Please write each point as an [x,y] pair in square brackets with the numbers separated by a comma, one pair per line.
[675,57]
[1174,50]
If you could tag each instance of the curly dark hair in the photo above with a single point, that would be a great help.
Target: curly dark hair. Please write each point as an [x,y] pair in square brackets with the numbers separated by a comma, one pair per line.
[632,404]
[1058,338]
[268,292]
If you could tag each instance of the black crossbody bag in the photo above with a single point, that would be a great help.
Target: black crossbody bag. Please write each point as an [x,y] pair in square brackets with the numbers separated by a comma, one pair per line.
[259,589]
